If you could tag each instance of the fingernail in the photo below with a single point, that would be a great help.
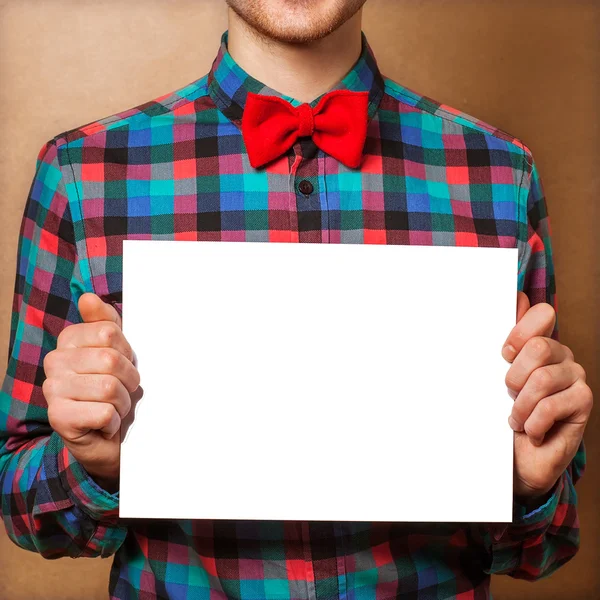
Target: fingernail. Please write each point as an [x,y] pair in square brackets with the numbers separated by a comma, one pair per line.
[508,352]
[513,424]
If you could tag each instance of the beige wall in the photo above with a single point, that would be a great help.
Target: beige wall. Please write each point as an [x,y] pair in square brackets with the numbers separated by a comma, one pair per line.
[531,67]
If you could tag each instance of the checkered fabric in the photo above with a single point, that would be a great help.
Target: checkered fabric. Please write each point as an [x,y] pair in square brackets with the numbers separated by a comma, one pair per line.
[176,168]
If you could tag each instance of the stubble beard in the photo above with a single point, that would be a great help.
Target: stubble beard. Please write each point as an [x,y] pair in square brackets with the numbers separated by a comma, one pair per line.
[294,21]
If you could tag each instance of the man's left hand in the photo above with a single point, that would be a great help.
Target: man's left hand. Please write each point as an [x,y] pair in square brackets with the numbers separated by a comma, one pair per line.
[552,400]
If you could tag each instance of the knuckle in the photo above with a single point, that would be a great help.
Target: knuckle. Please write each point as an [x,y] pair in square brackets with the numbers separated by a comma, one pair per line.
[579,371]
[547,408]
[49,361]
[587,397]
[110,359]
[136,378]
[542,378]
[105,415]
[107,333]
[65,336]
[49,387]
[80,421]
[56,417]
[109,386]
[125,406]
[539,347]
[132,379]
[129,352]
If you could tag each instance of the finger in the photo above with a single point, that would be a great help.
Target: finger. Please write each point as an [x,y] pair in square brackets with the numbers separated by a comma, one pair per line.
[107,361]
[72,419]
[572,405]
[92,308]
[101,334]
[537,352]
[523,305]
[90,388]
[539,320]
[543,382]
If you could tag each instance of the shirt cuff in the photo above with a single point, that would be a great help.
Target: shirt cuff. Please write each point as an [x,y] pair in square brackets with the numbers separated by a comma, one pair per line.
[527,524]
[99,504]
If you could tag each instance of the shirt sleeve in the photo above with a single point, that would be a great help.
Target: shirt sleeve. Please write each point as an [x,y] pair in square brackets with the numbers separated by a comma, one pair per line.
[540,539]
[50,504]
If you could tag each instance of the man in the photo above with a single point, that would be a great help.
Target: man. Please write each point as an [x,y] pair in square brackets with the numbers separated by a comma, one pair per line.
[258,150]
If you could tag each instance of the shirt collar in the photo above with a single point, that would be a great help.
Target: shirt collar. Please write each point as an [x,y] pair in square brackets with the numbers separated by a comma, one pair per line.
[229,84]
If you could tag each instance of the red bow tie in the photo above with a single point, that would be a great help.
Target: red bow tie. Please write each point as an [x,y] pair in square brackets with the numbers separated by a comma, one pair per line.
[337,125]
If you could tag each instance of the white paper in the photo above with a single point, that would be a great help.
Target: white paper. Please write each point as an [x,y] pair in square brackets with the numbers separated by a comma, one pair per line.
[344,382]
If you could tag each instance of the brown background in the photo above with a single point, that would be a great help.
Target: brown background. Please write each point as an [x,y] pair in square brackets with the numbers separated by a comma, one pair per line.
[530,67]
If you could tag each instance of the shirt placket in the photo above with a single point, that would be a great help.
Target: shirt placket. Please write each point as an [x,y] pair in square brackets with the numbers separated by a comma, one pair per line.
[328,568]
[306,193]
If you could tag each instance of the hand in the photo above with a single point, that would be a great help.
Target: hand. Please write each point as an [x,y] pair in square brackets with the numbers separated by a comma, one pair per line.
[90,377]
[552,400]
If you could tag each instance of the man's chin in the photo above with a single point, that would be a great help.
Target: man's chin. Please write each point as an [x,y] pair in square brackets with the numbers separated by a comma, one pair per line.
[295,21]
[294,35]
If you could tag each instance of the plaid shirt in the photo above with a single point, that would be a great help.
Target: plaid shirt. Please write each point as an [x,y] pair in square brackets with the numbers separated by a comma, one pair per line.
[176,168]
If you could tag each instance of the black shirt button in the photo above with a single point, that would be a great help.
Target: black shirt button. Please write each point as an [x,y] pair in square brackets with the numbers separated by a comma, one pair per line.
[306,187]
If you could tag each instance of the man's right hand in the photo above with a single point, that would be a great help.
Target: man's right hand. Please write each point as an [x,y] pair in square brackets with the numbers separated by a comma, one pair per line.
[90,377]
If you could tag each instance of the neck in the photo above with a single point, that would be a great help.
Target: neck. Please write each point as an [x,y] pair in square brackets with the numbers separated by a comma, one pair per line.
[301,71]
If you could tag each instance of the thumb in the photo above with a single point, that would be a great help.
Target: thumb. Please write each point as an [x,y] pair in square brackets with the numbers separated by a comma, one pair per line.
[93,309]
[523,305]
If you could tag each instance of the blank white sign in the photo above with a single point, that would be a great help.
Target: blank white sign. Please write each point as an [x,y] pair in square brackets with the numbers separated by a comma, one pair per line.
[344,382]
